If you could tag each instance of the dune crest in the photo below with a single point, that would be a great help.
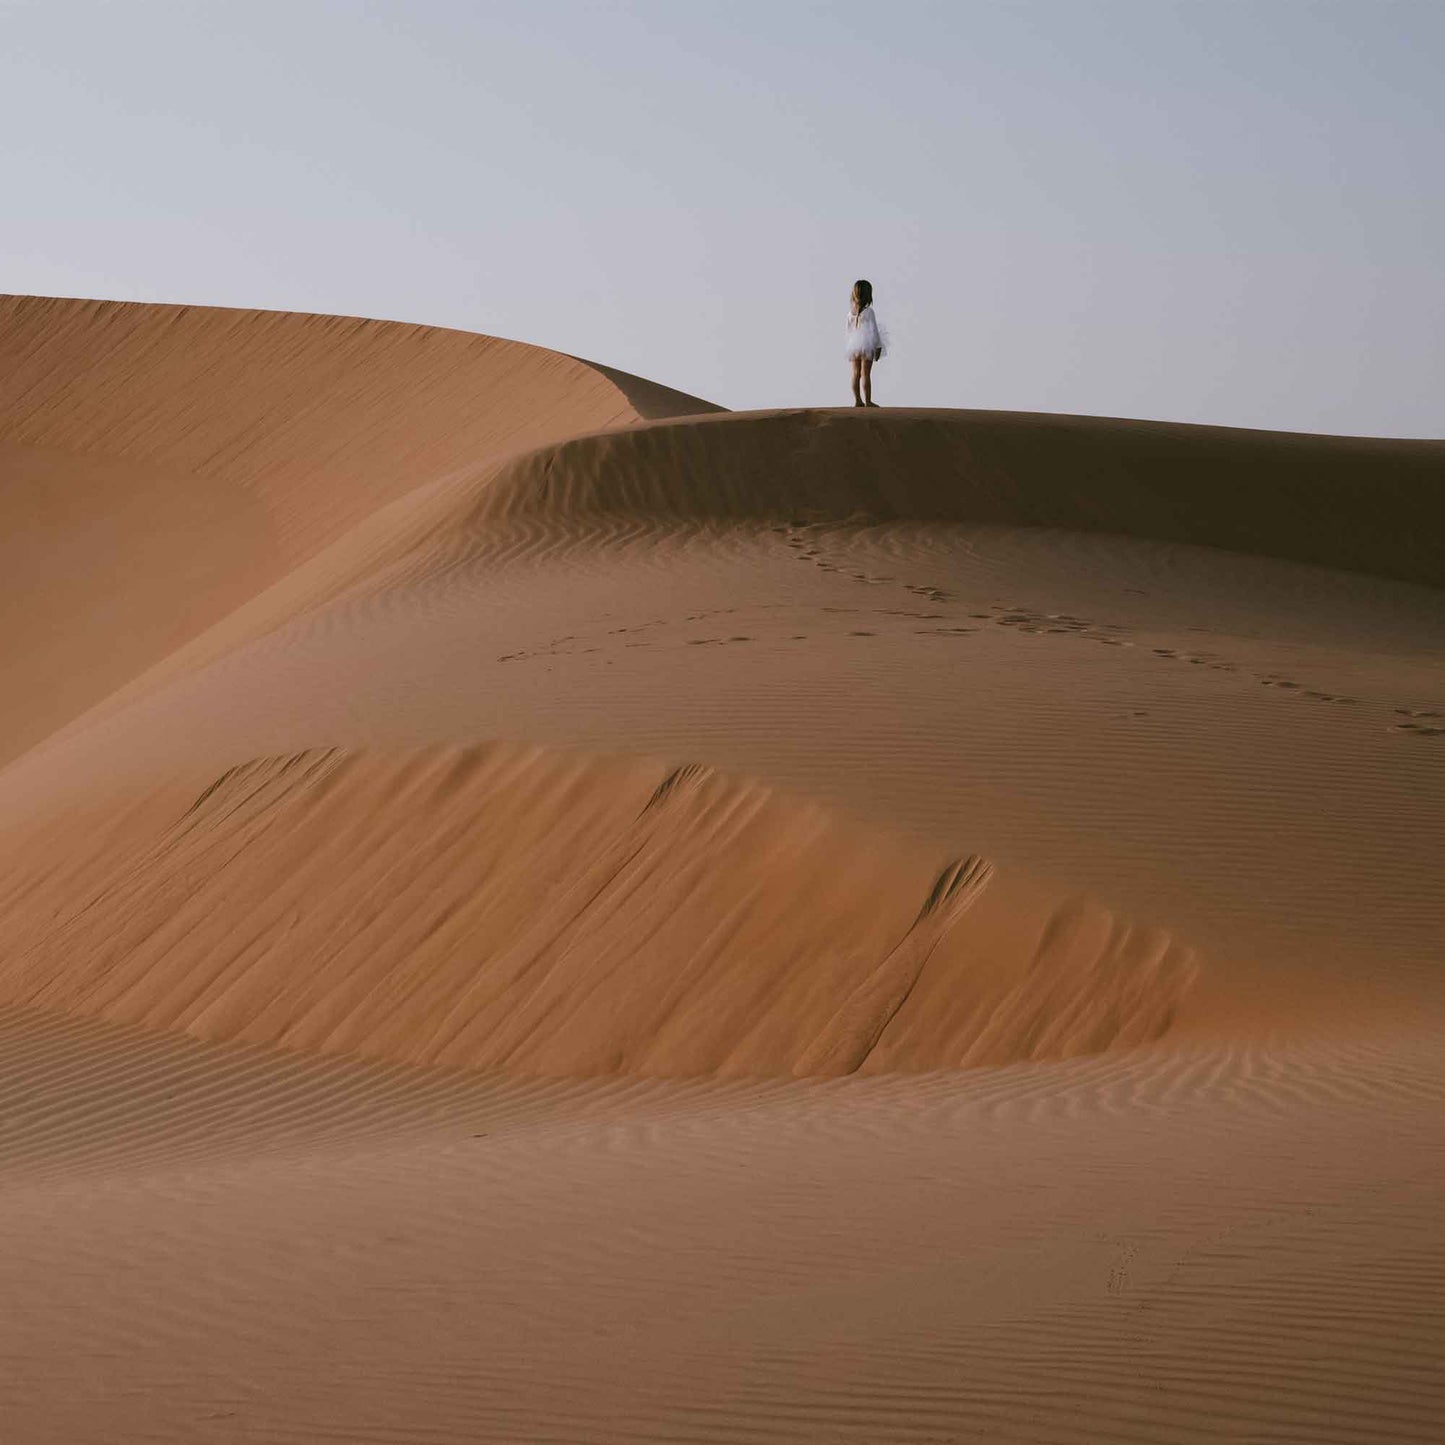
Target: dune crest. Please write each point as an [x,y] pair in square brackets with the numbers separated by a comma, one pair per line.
[1360,503]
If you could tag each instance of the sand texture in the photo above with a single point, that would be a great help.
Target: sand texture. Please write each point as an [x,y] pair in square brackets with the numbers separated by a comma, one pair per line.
[535,909]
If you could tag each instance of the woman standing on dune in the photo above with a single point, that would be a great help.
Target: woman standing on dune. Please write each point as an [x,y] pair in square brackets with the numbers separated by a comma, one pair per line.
[865,342]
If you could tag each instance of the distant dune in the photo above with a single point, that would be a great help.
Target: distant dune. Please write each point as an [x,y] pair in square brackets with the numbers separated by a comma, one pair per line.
[164,463]
[471,818]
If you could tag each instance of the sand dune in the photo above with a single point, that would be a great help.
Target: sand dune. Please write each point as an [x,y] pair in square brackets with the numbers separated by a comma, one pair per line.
[469,818]
[161,464]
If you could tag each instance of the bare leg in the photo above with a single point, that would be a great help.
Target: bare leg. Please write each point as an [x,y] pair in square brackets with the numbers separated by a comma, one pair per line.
[866,363]
[857,377]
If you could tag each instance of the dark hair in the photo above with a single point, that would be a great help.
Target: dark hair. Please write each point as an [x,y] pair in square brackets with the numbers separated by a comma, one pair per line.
[862,294]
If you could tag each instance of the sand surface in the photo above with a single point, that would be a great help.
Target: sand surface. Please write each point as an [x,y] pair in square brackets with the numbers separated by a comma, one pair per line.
[534,909]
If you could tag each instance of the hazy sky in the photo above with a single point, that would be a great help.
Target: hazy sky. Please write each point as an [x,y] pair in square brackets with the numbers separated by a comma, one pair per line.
[1210,210]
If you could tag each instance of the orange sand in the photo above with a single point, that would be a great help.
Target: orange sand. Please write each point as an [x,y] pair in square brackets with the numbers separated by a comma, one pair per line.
[470,820]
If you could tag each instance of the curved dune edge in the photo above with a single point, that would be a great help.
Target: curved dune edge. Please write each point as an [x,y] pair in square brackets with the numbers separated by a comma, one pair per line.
[184,458]
[1360,504]
[504,908]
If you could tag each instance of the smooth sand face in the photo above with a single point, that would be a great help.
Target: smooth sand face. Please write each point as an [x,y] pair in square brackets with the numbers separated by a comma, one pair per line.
[474,818]
[164,463]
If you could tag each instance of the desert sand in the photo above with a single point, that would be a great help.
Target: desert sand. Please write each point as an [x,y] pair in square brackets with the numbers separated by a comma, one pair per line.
[536,909]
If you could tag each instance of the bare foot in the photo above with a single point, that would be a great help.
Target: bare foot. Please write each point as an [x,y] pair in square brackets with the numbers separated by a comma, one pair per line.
[871,403]
[859,403]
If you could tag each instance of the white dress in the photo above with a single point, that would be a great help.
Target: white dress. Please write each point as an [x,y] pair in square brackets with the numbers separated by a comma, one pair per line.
[865,336]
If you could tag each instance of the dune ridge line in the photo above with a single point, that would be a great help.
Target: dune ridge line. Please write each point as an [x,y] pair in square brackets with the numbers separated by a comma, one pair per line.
[506,908]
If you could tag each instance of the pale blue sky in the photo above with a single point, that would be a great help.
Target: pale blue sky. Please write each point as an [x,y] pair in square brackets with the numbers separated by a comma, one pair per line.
[1209,210]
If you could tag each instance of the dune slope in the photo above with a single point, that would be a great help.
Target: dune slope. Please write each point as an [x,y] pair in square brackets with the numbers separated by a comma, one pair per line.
[500,908]
[1358,504]
[161,464]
